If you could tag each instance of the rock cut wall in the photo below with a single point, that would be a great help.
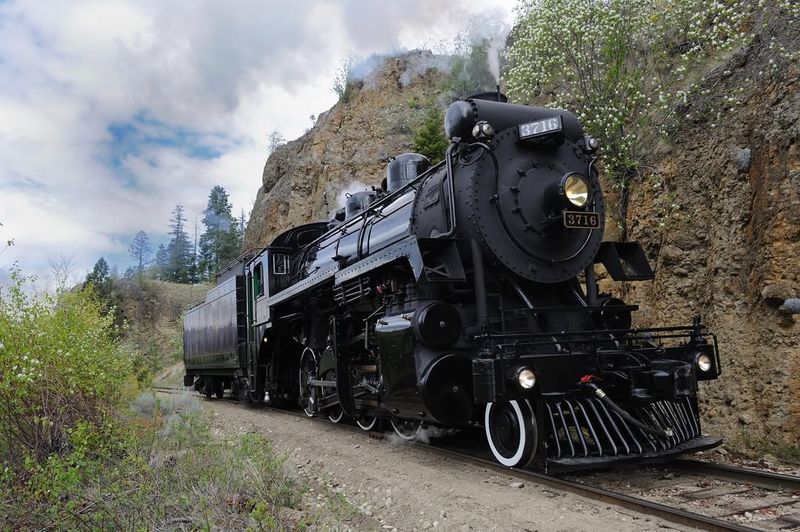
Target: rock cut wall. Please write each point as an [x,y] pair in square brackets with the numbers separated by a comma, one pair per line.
[729,249]
[347,149]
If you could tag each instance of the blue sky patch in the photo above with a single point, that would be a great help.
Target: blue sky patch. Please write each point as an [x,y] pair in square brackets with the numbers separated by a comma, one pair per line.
[134,137]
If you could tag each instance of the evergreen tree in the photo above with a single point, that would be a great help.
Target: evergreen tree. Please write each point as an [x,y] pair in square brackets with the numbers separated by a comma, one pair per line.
[99,279]
[179,250]
[140,251]
[429,139]
[161,264]
[221,240]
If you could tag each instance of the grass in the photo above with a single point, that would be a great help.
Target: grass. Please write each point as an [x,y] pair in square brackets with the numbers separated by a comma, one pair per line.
[169,473]
[745,445]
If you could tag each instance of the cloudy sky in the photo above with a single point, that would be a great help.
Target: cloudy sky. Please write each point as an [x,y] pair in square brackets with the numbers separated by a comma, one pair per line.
[113,111]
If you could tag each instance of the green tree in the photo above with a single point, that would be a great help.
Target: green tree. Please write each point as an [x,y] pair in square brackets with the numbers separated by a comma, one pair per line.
[429,139]
[140,251]
[161,264]
[100,279]
[220,242]
[181,260]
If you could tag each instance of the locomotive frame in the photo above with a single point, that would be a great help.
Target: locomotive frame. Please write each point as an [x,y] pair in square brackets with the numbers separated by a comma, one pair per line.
[464,294]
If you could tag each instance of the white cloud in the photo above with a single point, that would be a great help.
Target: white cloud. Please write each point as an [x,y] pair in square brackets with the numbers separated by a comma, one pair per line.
[198,84]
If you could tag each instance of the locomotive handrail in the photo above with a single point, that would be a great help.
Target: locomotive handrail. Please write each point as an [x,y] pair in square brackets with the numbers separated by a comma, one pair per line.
[630,333]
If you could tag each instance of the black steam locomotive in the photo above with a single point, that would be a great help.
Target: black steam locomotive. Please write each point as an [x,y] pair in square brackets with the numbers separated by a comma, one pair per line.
[464,294]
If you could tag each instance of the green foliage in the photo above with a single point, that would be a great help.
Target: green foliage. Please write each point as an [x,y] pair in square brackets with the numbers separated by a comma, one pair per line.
[101,283]
[429,139]
[344,84]
[623,66]
[59,368]
[469,72]
[164,469]
[160,266]
[221,241]
[180,259]
[140,251]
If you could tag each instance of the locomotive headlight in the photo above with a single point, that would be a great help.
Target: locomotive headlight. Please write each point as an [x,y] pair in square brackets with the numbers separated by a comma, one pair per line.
[704,363]
[576,189]
[526,378]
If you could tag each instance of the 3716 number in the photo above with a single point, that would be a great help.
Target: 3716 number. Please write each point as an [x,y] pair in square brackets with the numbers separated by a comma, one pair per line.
[581,220]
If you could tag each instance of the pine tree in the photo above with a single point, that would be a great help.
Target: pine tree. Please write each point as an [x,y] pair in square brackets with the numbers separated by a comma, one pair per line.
[99,279]
[161,264]
[140,251]
[429,139]
[221,240]
[179,250]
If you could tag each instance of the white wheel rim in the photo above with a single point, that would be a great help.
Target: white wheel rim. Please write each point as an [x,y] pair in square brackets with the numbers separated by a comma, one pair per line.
[367,426]
[515,459]
[405,436]
[337,418]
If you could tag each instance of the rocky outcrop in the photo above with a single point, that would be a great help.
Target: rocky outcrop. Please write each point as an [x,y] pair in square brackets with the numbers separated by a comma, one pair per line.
[348,147]
[719,214]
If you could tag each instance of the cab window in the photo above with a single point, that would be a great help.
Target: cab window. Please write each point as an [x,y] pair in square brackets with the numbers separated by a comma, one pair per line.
[280,264]
[258,280]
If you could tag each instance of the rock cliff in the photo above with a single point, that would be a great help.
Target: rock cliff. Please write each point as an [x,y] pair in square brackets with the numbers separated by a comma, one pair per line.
[719,216]
[348,147]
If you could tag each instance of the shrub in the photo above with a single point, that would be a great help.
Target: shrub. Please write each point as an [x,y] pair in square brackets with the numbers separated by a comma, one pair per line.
[344,82]
[168,472]
[623,66]
[60,372]
[429,139]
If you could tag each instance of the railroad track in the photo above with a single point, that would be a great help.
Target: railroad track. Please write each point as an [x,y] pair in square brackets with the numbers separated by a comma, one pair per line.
[692,493]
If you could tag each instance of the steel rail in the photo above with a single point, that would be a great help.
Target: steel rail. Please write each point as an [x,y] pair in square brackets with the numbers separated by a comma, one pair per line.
[756,477]
[642,506]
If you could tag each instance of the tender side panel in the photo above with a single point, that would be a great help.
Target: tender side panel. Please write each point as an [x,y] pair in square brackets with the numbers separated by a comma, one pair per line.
[212,332]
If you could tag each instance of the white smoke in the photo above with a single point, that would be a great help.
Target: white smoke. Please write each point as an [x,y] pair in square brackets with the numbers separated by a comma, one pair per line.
[496,45]
[341,196]
[423,434]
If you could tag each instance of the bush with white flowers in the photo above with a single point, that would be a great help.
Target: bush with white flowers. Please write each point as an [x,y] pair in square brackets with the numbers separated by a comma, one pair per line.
[59,367]
[622,66]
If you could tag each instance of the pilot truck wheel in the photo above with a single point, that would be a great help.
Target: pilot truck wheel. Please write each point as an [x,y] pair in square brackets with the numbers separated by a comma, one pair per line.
[511,432]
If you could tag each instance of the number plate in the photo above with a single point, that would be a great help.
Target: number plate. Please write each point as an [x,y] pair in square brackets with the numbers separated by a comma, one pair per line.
[540,128]
[581,220]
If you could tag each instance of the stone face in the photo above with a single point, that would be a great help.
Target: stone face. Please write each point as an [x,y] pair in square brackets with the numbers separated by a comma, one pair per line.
[741,208]
[347,149]
[742,158]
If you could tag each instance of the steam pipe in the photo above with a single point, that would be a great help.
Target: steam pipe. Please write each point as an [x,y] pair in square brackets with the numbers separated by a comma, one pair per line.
[480,285]
[661,433]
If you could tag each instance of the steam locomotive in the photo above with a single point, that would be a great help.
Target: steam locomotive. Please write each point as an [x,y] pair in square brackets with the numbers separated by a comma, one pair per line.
[464,294]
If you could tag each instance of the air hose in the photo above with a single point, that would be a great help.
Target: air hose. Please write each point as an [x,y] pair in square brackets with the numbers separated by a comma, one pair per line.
[586,381]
